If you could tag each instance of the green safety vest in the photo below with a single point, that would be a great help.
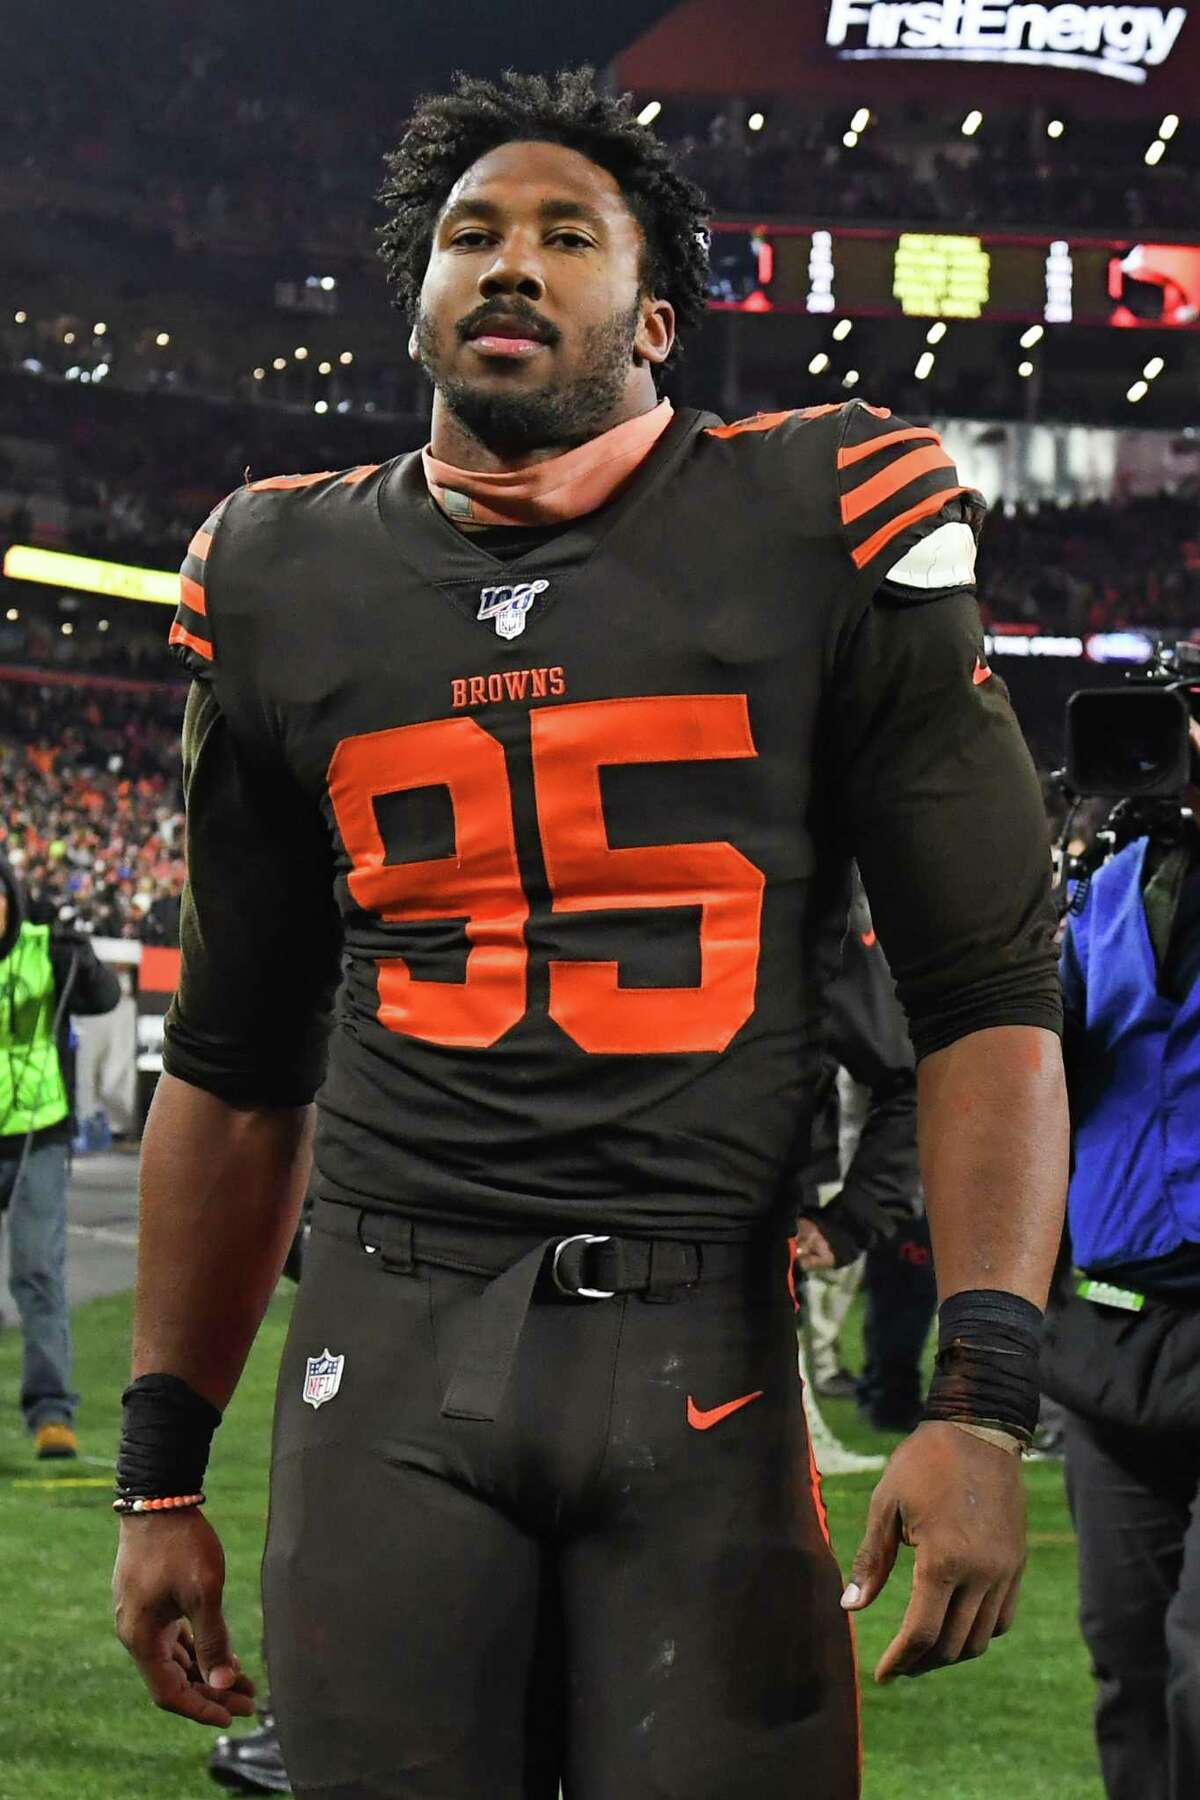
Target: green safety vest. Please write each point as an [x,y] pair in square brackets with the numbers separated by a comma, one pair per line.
[33,1094]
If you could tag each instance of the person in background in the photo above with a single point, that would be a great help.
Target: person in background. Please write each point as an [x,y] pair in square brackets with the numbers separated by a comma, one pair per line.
[1122,1336]
[829,1293]
[46,974]
[876,1219]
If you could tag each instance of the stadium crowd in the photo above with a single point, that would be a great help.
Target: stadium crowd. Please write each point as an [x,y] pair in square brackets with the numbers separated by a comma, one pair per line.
[133,476]
[92,818]
[1094,567]
[798,164]
[208,158]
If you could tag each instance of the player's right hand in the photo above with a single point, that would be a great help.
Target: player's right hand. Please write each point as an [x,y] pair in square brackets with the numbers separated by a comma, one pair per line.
[167,1587]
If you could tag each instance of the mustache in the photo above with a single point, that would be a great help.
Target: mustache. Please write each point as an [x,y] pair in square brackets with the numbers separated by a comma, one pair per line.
[531,323]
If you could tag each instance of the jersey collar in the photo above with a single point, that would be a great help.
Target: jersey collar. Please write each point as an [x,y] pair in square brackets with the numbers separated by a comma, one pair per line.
[552,492]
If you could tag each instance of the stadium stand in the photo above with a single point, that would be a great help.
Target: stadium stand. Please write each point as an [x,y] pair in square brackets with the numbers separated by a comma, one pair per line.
[93,818]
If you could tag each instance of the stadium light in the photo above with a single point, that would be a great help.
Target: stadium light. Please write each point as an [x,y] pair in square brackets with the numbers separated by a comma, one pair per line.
[1033,336]
[280,362]
[100,371]
[1169,127]
[1156,152]
[936,333]
[20,317]
[849,138]
[649,112]
[1055,128]
[842,330]
[925,364]
[300,352]
[1154,367]
[972,122]
[321,406]
[1025,370]
[12,615]
[102,625]
[260,374]
[163,339]
[87,575]
[325,368]
[1138,391]
[328,283]
[100,329]
[347,357]
[819,363]
[850,378]
[756,121]
[861,119]
[67,628]
[68,337]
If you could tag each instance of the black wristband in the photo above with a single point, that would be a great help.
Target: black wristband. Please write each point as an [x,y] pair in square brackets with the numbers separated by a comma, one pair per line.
[987,1362]
[166,1434]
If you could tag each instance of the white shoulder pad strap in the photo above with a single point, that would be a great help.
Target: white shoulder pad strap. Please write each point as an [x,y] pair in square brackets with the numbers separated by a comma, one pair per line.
[944,559]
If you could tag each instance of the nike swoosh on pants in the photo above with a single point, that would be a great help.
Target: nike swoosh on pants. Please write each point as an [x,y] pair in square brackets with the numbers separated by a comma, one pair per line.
[701,1420]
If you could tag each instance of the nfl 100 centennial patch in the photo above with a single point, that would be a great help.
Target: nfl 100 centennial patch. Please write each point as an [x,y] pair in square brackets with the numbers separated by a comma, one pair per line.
[322,1378]
[508,605]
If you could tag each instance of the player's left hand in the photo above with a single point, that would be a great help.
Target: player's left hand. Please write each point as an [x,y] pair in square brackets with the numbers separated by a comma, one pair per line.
[960,1503]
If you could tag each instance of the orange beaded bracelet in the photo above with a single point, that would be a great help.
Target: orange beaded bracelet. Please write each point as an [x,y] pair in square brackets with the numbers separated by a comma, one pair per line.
[165,1503]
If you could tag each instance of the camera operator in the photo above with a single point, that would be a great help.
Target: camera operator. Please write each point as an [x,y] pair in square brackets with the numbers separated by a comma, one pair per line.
[1122,1348]
[44,971]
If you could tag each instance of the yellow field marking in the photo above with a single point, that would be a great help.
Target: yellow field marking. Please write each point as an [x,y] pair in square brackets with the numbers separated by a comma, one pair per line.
[58,1481]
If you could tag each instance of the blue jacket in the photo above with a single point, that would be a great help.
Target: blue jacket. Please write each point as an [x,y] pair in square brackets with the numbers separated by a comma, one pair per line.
[1133,1062]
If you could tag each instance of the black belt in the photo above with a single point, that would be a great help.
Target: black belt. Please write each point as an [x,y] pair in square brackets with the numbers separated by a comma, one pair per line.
[589,1266]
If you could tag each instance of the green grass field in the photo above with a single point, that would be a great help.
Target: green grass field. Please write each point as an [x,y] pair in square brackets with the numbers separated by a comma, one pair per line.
[74,1720]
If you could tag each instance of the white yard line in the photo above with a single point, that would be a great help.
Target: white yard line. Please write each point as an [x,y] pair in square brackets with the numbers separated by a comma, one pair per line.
[104,1234]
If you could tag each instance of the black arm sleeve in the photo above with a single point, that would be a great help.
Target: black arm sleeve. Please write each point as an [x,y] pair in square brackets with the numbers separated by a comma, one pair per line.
[934,791]
[260,936]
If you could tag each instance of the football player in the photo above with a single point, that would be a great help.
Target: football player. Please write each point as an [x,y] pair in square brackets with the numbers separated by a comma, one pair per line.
[523,776]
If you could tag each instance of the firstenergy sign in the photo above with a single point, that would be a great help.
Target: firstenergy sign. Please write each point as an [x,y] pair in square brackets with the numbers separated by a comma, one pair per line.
[1121,41]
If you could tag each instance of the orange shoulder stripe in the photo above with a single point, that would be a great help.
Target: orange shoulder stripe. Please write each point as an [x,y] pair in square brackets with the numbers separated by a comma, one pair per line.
[767,421]
[899,474]
[359,474]
[932,503]
[289,481]
[192,594]
[760,422]
[846,457]
[200,545]
[180,636]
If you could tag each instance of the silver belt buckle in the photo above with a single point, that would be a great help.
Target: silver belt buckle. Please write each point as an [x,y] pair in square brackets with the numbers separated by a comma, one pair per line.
[582,1293]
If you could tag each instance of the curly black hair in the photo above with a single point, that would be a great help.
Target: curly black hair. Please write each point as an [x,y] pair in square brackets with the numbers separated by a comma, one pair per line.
[447,133]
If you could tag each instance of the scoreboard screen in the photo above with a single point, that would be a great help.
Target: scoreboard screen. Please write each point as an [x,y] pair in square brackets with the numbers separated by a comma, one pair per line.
[991,276]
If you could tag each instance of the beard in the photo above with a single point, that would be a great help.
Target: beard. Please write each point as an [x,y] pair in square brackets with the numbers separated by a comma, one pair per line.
[559,415]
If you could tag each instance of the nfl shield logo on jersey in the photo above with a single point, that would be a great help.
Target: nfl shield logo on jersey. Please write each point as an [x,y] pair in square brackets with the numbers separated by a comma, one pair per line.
[322,1378]
[508,605]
